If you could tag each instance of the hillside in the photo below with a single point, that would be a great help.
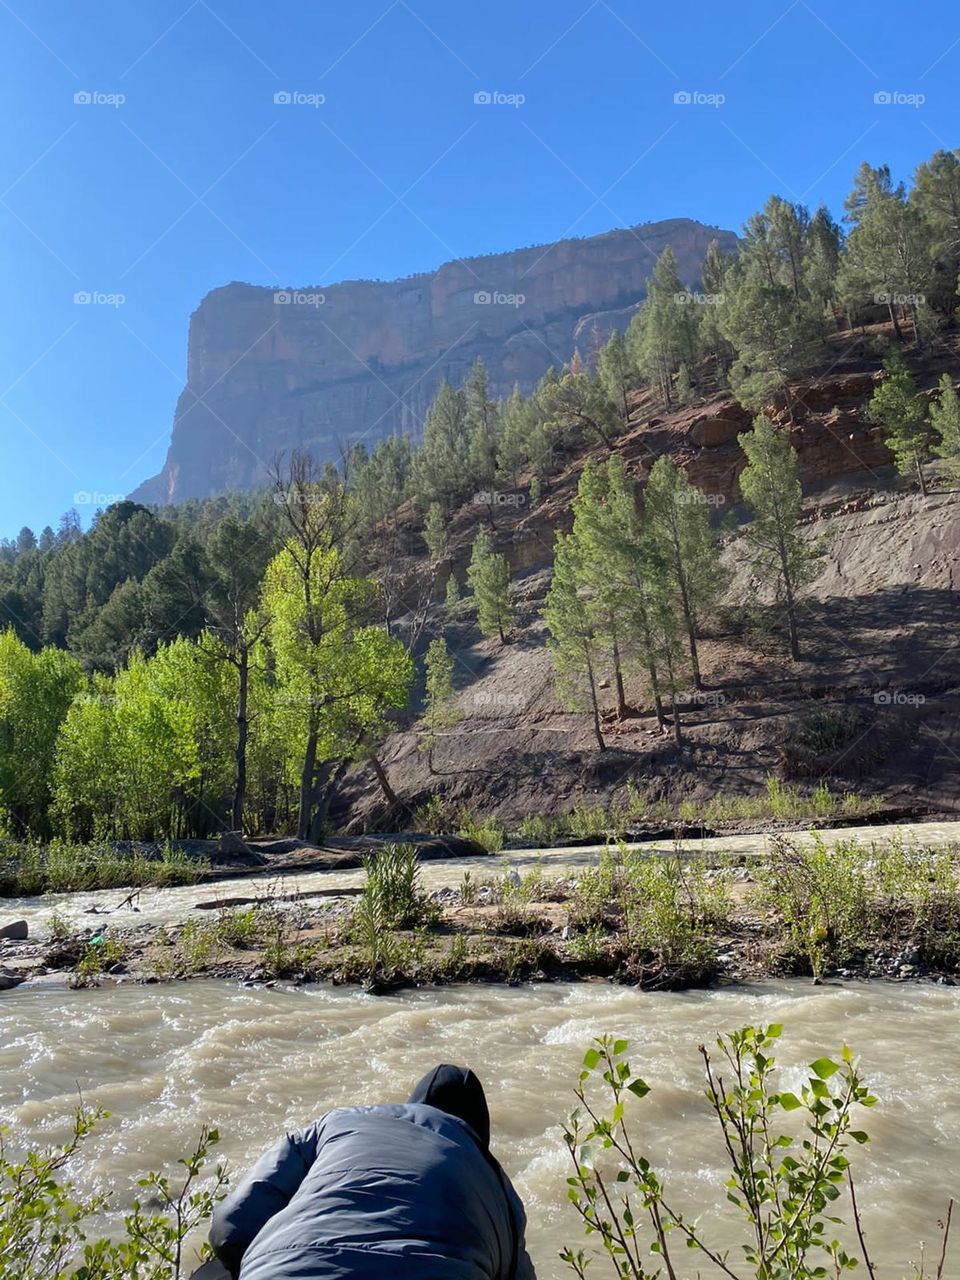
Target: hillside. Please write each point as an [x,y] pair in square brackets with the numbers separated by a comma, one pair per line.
[874,706]
[319,367]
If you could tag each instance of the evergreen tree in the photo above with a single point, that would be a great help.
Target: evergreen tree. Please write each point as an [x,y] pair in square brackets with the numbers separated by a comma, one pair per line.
[902,413]
[26,541]
[577,407]
[936,198]
[945,419]
[775,336]
[439,470]
[663,334]
[887,259]
[679,522]
[480,425]
[435,532]
[439,710]
[574,640]
[489,580]
[770,484]
[615,371]
[47,540]
[452,597]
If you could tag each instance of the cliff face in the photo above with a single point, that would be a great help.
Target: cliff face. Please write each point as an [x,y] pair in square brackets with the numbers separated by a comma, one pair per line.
[321,367]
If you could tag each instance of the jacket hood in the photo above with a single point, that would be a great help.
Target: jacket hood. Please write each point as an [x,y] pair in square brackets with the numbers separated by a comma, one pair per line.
[458,1092]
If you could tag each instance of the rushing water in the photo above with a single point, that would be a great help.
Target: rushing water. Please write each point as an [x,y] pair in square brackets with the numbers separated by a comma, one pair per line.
[165,1059]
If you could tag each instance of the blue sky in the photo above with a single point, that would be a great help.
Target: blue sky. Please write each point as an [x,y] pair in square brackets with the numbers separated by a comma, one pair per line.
[198,177]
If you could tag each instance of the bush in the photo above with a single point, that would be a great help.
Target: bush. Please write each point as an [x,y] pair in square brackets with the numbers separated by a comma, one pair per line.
[786,1191]
[43,1223]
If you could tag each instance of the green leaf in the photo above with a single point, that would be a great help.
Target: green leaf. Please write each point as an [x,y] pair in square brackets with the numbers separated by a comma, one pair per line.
[790,1101]
[639,1088]
[591,1059]
[824,1068]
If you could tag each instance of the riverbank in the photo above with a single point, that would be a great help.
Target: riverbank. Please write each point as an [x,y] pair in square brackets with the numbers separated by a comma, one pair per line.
[842,907]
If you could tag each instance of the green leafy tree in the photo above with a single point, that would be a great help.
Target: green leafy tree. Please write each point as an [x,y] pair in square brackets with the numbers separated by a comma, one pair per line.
[36,690]
[489,579]
[770,484]
[945,420]
[679,521]
[902,413]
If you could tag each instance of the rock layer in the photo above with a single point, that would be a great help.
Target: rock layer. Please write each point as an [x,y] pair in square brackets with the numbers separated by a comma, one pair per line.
[321,367]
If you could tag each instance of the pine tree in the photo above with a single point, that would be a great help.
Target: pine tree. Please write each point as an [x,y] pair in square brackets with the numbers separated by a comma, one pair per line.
[452,597]
[776,338]
[663,334]
[440,473]
[902,413]
[435,532]
[945,419]
[679,520]
[616,373]
[480,425]
[770,484]
[574,641]
[489,580]
[439,707]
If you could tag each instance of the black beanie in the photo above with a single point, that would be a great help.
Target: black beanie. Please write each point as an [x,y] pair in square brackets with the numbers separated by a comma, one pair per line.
[457,1091]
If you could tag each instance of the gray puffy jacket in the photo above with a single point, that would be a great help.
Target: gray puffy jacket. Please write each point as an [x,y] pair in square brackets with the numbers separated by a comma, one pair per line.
[385,1191]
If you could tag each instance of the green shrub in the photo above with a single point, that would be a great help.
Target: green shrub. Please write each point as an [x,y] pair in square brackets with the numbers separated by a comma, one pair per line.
[786,1191]
[44,1223]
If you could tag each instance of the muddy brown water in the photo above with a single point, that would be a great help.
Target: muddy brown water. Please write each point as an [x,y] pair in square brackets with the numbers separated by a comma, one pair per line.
[255,1062]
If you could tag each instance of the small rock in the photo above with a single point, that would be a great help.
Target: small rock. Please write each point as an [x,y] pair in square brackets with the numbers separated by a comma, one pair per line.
[8,981]
[908,971]
[16,932]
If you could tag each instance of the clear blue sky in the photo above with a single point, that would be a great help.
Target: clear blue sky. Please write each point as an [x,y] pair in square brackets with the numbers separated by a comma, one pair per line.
[199,178]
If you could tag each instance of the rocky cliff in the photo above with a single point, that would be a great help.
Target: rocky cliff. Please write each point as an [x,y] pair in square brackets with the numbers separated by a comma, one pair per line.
[320,367]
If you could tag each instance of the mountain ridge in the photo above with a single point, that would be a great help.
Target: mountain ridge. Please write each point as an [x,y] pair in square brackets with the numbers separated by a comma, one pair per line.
[320,367]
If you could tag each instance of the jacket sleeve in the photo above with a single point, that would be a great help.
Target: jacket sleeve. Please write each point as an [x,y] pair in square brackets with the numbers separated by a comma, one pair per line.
[523,1268]
[266,1189]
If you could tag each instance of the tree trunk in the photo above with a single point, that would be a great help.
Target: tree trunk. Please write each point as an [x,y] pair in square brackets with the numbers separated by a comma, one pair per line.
[896,323]
[381,776]
[318,821]
[596,710]
[691,630]
[920,476]
[618,680]
[243,731]
[306,782]
[791,605]
[677,734]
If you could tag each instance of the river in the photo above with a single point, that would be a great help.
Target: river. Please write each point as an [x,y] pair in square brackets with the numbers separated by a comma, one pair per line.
[254,1062]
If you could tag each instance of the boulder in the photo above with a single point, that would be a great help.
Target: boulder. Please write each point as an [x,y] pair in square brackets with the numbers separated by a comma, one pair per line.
[231,848]
[720,426]
[16,931]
